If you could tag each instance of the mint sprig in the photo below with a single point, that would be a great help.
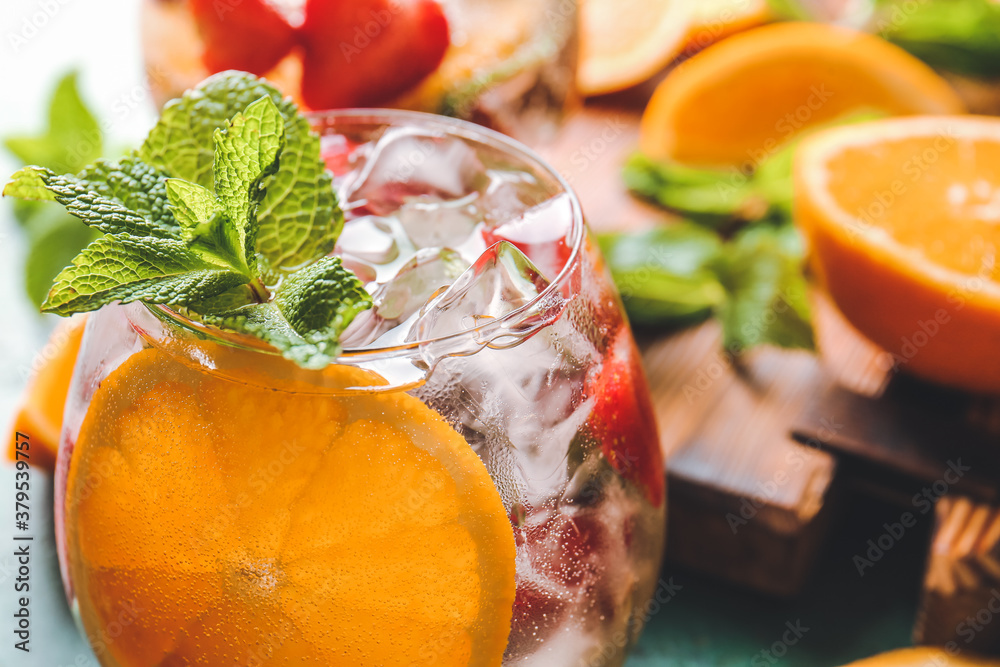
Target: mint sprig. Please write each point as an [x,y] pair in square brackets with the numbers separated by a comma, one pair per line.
[680,274]
[299,216]
[215,202]
[735,256]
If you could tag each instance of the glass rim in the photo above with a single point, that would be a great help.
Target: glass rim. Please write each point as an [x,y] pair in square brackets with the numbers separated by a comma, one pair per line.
[455,127]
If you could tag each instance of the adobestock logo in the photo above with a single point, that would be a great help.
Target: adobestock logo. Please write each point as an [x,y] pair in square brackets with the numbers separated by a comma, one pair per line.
[33,23]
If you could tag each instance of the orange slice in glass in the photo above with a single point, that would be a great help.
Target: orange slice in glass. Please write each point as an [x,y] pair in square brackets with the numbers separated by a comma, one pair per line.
[224,522]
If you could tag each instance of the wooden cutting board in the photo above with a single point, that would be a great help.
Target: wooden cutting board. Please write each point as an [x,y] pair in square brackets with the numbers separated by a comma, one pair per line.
[760,453]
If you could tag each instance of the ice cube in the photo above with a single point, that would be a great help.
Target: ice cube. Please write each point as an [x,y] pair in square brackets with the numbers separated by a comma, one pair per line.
[432,221]
[508,194]
[400,298]
[369,239]
[541,232]
[409,162]
[364,271]
[417,280]
[502,280]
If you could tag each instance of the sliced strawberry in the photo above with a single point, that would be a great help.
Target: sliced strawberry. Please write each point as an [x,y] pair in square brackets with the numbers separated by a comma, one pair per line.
[361,53]
[623,419]
[248,35]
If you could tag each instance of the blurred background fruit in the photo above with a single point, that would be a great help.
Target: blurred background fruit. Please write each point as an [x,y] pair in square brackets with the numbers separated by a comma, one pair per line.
[925,657]
[740,101]
[902,217]
[506,64]
[625,42]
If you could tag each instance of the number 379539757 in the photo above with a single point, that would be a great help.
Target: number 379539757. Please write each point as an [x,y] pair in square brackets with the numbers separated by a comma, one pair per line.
[22,479]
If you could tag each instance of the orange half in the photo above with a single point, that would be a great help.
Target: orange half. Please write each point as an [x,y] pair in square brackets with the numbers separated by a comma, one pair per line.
[740,100]
[925,656]
[903,217]
[714,20]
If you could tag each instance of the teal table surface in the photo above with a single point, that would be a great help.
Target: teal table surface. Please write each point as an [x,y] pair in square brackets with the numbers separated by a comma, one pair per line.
[840,617]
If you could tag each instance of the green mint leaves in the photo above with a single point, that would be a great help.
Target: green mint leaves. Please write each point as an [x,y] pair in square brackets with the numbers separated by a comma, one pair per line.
[735,257]
[129,268]
[717,198]
[205,213]
[299,219]
[72,139]
[955,35]
[681,274]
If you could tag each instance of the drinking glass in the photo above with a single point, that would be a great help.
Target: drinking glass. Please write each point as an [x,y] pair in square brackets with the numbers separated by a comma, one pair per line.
[510,64]
[476,480]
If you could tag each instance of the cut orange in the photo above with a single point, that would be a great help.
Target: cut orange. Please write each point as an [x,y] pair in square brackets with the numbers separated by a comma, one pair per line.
[625,42]
[234,523]
[40,416]
[925,656]
[738,101]
[903,216]
[716,19]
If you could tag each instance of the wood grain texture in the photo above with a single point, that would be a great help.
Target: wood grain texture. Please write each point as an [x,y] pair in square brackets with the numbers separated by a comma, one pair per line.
[961,595]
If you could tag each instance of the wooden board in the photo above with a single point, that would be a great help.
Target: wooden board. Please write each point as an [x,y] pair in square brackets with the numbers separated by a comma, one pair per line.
[747,502]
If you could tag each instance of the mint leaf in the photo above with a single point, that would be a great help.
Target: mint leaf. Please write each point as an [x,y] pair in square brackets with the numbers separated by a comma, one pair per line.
[245,152]
[266,322]
[663,274]
[178,235]
[298,219]
[766,293]
[93,198]
[961,36]
[73,137]
[128,268]
[309,312]
[204,225]
[138,186]
[222,225]
[711,197]
[320,300]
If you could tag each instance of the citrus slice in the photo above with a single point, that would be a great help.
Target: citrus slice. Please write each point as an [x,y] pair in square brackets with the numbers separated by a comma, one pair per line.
[740,100]
[224,522]
[715,19]
[903,216]
[625,42]
[924,657]
[41,413]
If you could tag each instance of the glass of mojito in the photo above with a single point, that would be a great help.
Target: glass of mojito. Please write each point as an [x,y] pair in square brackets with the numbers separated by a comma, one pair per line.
[357,391]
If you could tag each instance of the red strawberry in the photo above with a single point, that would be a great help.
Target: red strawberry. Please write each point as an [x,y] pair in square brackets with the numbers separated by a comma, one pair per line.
[537,613]
[248,35]
[361,53]
[623,420]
